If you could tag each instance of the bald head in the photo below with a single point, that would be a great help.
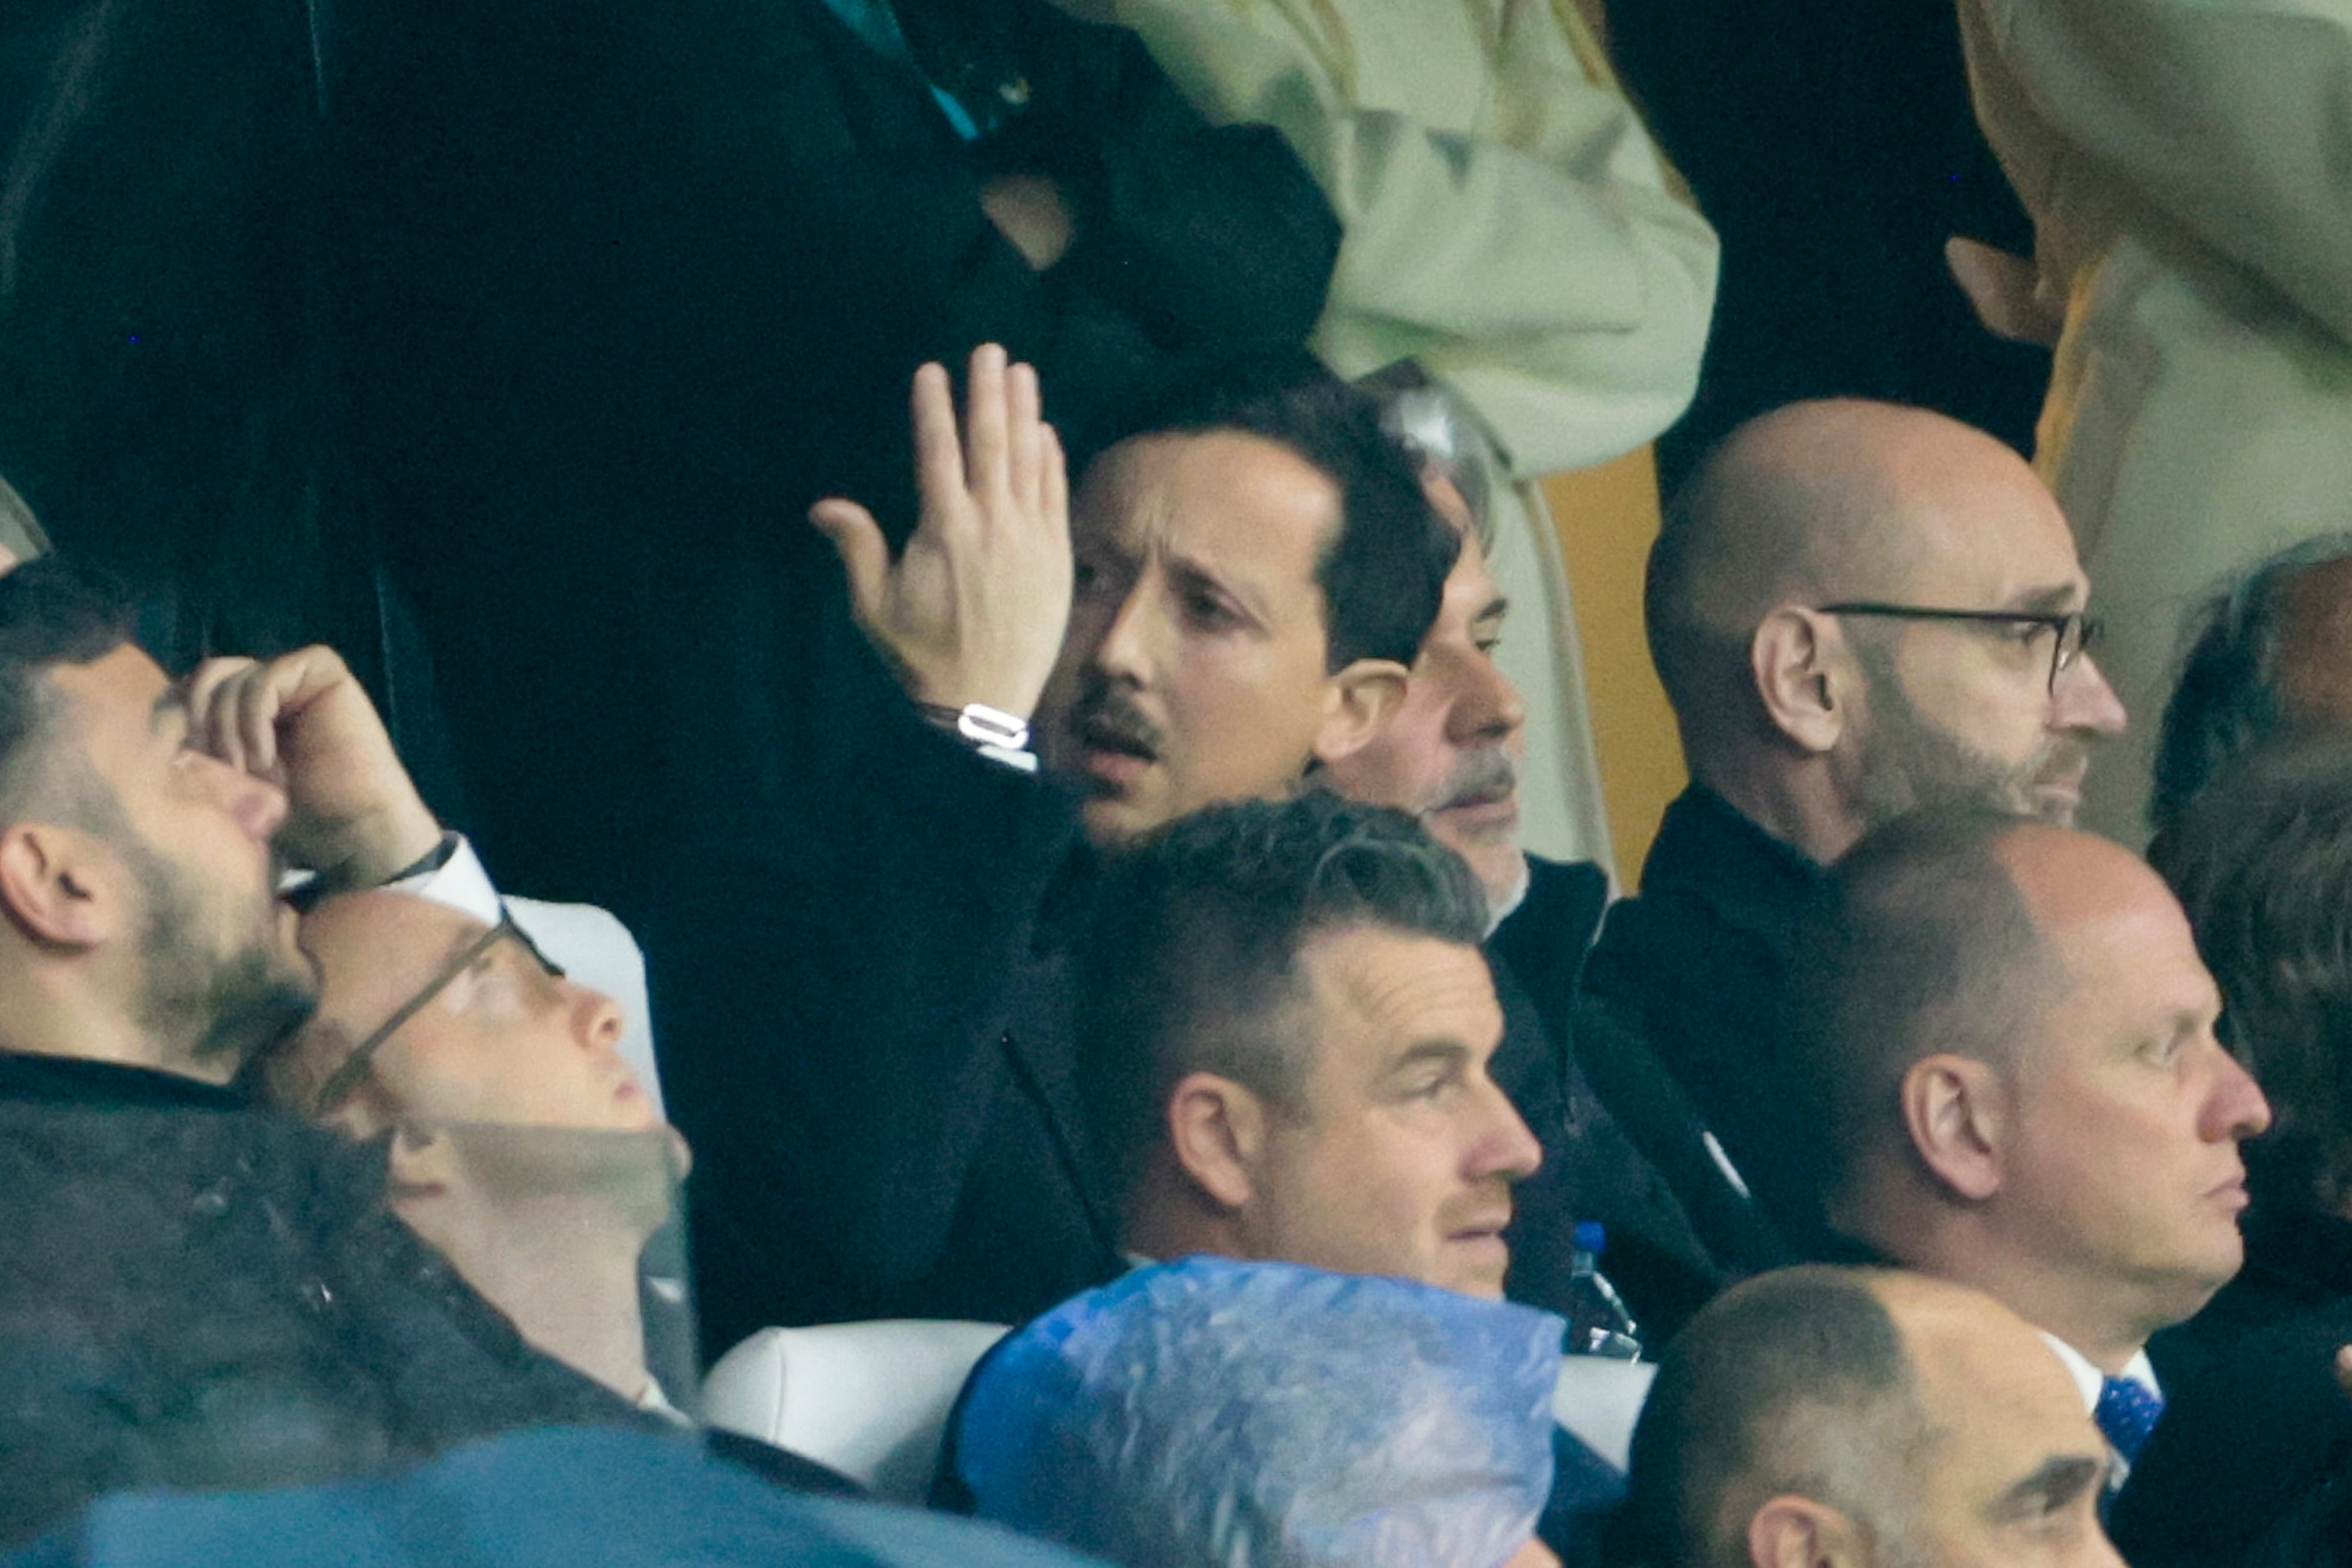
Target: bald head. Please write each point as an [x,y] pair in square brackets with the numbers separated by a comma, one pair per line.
[1900,1419]
[1819,502]
[1821,721]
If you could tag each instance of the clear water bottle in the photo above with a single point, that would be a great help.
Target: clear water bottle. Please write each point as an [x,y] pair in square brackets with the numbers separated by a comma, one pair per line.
[1598,1322]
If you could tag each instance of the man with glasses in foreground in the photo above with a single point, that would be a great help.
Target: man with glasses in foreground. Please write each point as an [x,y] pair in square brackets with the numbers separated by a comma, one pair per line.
[1857,609]
[519,1144]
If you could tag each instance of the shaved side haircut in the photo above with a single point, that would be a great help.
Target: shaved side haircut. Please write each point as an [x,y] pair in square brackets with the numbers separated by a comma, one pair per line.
[1922,946]
[1793,1382]
[1192,962]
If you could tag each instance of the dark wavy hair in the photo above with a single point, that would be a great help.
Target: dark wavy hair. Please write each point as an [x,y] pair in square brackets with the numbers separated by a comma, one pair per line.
[1384,568]
[2226,701]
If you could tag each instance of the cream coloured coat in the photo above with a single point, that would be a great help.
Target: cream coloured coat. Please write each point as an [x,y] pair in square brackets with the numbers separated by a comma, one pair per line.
[2188,167]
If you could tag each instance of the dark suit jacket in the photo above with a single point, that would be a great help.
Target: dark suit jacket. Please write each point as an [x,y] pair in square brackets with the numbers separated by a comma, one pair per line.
[1595,1165]
[2255,1444]
[1697,969]
[864,1034]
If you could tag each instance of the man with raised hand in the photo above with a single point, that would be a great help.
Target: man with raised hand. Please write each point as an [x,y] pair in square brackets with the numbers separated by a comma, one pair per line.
[863,1029]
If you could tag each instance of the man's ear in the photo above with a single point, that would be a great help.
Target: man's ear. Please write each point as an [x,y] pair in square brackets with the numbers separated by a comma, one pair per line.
[1791,1531]
[1800,675]
[419,1163]
[1216,1129]
[1952,1109]
[51,887]
[1357,702]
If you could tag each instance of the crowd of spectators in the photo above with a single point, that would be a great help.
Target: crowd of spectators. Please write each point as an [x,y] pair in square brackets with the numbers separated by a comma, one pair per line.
[984,528]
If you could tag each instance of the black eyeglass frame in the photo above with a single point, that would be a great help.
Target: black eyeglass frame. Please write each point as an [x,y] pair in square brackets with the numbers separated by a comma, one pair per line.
[2073,629]
[347,1076]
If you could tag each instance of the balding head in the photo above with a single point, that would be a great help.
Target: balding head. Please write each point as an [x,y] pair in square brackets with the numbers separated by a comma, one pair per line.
[1821,723]
[2010,1036]
[1863,1417]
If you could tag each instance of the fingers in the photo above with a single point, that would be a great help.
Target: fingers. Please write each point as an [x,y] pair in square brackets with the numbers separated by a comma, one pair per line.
[987,424]
[258,702]
[938,455]
[210,691]
[865,556]
[1053,480]
[1024,428]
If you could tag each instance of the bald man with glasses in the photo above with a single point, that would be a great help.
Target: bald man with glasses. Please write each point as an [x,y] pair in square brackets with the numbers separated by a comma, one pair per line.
[1857,609]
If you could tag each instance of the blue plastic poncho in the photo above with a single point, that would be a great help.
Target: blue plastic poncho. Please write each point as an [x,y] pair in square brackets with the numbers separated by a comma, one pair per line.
[1211,1413]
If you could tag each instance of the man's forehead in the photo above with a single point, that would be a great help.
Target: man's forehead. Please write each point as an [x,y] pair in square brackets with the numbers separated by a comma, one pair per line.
[1986,540]
[382,943]
[2077,885]
[123,683]
[1213,489]
[2117,931]
[1378,984]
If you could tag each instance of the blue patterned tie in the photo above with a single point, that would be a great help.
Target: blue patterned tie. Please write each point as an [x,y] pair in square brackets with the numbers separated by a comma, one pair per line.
[2126,1413]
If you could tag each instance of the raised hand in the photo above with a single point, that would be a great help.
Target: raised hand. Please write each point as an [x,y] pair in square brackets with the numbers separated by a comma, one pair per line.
[303,722]
[974,608]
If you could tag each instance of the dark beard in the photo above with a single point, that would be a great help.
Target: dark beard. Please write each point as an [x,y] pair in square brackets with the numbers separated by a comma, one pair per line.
[243,1003]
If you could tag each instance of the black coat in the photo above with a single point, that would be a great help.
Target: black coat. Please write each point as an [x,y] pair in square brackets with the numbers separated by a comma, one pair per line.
[626,286]
[1597,1166]
[2255,1444]
[864,1034]
[1694,974]
[195,1293]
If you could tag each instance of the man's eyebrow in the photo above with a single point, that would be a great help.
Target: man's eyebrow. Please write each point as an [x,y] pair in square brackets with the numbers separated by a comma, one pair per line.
[466,936]
[2064,599]
[1423,1053]
[1191,573]
[172,704]
[2057,1482]
[1499,607]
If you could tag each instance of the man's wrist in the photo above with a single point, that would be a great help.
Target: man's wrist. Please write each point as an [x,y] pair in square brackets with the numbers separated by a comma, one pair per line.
[381,849]
[994,733]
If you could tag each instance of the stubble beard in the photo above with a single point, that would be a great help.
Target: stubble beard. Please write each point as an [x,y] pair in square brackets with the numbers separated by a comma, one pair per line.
[1908,762]
[231,1007]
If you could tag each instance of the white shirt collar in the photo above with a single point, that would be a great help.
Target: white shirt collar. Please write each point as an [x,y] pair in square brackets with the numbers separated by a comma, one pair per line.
[2088,1377]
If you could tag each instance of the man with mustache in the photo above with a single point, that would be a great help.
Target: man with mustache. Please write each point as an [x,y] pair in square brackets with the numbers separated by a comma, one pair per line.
[864,1028]
[1621,1144]
[1855,609]
[2007,1046]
